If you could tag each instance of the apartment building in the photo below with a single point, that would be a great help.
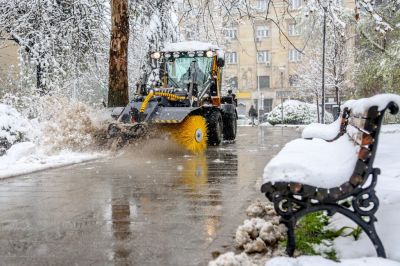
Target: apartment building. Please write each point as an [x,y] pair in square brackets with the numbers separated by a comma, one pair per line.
[261,55]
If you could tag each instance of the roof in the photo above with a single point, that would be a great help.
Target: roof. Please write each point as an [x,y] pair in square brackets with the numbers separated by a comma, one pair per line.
[189,46]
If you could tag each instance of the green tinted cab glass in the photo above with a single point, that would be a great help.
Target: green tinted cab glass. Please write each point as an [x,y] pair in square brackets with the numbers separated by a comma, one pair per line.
[182,70]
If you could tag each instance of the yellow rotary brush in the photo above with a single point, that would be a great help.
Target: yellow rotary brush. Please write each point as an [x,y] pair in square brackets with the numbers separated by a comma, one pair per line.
[191,133]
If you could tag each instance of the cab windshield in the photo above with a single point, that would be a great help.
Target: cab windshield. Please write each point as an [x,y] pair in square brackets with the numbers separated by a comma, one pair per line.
[182,70]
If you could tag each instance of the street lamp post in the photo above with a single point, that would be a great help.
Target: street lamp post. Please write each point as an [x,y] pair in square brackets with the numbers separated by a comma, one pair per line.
[282,68]
[282,96]
[325,7]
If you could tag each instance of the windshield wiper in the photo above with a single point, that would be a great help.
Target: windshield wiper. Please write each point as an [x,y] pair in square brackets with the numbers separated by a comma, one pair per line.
[169,78]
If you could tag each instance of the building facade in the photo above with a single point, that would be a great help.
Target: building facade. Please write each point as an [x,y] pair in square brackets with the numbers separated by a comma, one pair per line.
[262,55]
[260,61]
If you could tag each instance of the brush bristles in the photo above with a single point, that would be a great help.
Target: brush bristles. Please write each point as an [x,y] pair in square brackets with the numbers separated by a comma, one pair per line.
[185,133]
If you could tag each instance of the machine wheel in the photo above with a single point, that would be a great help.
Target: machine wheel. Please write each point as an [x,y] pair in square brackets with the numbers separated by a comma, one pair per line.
[230,126]
[214,128]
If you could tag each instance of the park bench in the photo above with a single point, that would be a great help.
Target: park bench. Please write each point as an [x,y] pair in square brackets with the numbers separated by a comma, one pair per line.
[333,174]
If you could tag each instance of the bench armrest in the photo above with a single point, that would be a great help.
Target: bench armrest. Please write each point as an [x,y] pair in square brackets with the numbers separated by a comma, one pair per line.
[328,132]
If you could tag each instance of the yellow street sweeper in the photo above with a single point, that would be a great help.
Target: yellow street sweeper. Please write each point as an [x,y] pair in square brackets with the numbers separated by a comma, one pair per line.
[185,100]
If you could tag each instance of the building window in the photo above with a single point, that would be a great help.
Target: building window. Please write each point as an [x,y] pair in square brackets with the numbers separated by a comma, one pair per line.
[231,58]
[294,55]
[294,4]
[263,57]
[232,83]
[262,4]
[294,29]
[263,82]
[262,32]
[293,80]
[230,33]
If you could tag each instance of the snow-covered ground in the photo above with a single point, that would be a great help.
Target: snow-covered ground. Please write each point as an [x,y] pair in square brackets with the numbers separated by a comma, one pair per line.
[29,145]
[388,190]
[28,157]
[319,261]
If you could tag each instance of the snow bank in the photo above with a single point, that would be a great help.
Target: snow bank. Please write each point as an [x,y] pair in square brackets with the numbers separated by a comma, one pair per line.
[392,128]
[318,261]
[295,112]
[305,161]
[260,209]
[380,100]
[258,237]
[322,131]
[189,46]
[256,234]
[28,157]
[230,259]
[14,128]
[388,191]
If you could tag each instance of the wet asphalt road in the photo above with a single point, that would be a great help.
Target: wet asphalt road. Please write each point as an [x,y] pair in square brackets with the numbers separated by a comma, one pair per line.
[156,206]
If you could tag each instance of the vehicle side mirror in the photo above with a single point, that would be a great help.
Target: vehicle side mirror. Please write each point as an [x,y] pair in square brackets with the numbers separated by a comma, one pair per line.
[220,62]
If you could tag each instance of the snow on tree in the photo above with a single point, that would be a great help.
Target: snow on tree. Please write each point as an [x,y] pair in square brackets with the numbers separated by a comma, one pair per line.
[382,21]
[64,45]
[200,20]
[58,39]
[152,24]
[339,59]
[380,53]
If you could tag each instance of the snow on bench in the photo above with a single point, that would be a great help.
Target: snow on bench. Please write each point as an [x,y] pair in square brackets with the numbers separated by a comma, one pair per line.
[332,164]
[313,162]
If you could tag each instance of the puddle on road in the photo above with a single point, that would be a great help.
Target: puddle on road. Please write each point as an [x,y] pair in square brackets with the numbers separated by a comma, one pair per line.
[175,209]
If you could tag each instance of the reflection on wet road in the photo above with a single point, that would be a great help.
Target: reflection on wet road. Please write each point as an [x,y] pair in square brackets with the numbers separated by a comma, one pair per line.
[155,206]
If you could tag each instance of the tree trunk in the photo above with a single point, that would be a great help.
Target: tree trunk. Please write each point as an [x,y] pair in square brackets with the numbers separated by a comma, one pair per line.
[118,64]
[40,85]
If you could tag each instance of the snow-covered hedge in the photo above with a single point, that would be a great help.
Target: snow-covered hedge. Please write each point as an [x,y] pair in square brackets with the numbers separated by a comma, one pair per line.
[296,112]
[14,128]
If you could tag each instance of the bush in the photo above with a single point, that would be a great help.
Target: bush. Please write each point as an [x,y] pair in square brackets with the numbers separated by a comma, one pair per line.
[14,128]
[296,112]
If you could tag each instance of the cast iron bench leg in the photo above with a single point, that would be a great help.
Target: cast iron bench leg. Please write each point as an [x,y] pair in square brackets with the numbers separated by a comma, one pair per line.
[291,240]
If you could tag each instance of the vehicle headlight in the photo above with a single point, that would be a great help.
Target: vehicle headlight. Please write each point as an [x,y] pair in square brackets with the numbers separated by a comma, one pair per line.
[156,55]
[209,53]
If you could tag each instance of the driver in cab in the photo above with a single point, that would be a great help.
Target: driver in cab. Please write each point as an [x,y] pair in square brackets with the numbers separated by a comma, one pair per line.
[194,73]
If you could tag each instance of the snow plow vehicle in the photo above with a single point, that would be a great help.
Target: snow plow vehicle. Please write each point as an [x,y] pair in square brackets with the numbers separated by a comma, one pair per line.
[186,102]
